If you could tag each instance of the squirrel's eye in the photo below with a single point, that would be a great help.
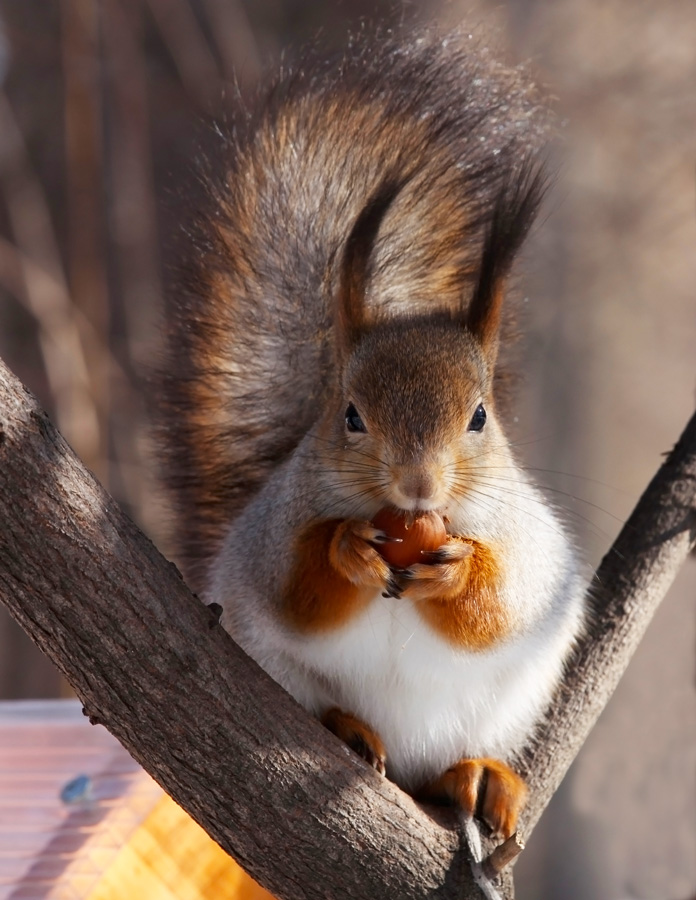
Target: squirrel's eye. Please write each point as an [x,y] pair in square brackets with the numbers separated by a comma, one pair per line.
[353,420]
[478,420]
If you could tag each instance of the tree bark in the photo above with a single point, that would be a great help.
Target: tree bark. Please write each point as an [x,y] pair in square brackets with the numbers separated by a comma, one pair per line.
[295,807]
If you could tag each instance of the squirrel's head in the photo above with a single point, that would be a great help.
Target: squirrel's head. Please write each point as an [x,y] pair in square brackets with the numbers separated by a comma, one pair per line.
[415,417]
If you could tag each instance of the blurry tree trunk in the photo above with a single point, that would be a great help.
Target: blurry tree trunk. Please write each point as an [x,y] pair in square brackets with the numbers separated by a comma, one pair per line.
[84,160]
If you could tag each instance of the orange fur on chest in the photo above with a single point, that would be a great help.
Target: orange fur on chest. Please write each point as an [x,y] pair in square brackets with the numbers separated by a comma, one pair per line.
[470,613]
[316,597]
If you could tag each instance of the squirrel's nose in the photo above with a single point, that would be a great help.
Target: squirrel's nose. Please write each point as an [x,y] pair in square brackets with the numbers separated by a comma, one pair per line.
[418,485]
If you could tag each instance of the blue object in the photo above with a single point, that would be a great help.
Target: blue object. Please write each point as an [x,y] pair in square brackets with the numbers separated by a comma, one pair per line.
[77,791]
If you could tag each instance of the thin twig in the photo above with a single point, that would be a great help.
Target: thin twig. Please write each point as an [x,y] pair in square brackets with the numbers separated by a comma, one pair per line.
[502,856]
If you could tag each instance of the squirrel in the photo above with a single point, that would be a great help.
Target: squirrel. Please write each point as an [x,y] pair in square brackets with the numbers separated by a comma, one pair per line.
[333,351]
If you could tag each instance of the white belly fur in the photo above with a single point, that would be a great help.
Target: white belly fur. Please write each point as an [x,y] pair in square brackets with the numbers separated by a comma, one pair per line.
[431,703]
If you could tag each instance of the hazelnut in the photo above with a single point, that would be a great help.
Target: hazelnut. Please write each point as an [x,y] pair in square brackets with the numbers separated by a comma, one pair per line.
[418,533]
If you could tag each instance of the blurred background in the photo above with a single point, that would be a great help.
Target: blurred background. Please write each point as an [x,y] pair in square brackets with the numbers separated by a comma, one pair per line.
[105,105]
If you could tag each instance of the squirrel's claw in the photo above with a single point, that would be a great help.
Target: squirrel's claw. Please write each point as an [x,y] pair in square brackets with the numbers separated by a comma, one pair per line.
[394,589]
[383,538]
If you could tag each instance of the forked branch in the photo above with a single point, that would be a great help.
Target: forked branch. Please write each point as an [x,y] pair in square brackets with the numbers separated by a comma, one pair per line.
[297,809]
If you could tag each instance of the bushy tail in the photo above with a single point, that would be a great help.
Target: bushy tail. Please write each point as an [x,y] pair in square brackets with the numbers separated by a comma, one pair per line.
[249,360]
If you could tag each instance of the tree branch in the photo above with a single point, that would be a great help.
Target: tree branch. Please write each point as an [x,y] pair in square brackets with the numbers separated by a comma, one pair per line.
[304,815]
[628,586]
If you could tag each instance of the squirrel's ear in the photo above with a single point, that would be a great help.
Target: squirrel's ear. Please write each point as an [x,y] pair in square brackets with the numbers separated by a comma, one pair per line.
[351,309]
[514,211]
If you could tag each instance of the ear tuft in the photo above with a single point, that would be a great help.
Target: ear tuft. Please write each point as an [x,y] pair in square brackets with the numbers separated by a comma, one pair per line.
[514,212]
[351,313]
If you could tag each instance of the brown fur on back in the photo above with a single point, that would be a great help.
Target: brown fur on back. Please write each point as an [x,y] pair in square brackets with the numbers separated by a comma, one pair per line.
[250,353]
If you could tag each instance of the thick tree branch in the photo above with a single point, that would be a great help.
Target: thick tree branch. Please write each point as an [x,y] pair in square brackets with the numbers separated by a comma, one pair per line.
[299,811]
[304,815]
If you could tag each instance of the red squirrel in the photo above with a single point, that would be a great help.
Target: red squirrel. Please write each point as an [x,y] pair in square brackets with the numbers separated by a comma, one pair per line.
[333,353]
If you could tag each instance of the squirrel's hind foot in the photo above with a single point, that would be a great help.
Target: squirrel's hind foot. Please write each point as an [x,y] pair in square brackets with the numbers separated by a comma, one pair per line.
[358,736]
[485,788]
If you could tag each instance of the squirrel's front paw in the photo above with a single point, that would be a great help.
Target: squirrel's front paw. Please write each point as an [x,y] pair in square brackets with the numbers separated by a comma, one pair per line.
[445,574]
[485,788]
[353,555]
[359,737]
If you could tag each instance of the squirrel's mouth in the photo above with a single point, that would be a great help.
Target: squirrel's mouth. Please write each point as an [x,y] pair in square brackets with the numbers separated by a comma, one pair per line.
[420,507]
[411,515]
[405,501]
